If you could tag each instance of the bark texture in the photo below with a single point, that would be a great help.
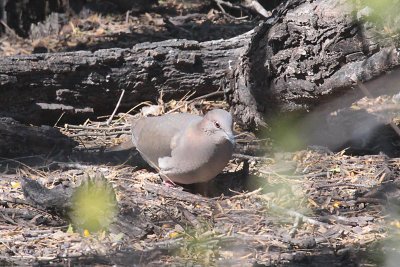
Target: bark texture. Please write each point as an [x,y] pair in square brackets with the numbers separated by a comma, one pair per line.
[39,88]
[17,139]
[306,55]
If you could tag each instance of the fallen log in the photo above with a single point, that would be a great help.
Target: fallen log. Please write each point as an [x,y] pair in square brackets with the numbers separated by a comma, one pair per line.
[40,88]
[307,54]
[17,139]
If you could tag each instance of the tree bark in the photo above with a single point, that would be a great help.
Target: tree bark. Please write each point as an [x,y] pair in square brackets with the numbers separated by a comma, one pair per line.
[17,139]
[39,88]
[308,56]
[308,53]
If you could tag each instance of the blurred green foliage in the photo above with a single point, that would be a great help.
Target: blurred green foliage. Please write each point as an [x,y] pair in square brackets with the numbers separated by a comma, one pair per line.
[383,15]
[94,205]
[284,131]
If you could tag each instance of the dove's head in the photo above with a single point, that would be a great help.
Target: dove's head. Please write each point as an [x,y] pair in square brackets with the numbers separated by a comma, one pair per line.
[218,124]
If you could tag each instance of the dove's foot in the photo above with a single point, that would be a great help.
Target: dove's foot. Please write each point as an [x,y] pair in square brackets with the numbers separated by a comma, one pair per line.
[169,184]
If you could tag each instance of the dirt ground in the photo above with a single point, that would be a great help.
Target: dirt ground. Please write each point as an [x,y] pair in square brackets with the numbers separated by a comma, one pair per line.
[91,30]
[311,207]
[304,208]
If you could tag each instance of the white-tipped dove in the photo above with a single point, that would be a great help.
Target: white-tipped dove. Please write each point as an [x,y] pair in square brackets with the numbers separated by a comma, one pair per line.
[185,148]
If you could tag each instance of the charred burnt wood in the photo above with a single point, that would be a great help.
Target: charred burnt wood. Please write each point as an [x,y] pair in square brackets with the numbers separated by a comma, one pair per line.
[307,54]
[17,139]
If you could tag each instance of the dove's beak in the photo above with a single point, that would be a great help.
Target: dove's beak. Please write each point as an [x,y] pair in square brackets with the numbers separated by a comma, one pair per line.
[230,137]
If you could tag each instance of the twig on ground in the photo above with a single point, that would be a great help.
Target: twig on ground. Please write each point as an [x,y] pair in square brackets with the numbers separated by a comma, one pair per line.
[259,8]
[167,244]
[296,225]
[245,195]
[296,176]
[94,128]
[190,217]
[41,174]
[248,157]
[116,107]
[228,4]
[286,178]
[176,194]
[11,30]
[8,219]
[297,214]
[100,134]
[293,213]
[147,103]
[196,99]
[127,18]
[341,184]
[59,118]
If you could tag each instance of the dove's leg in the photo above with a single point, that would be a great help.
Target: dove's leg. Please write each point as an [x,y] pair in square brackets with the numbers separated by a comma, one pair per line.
[168,184]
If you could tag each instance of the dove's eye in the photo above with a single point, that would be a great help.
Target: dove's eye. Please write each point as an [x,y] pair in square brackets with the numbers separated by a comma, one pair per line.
[216,124]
